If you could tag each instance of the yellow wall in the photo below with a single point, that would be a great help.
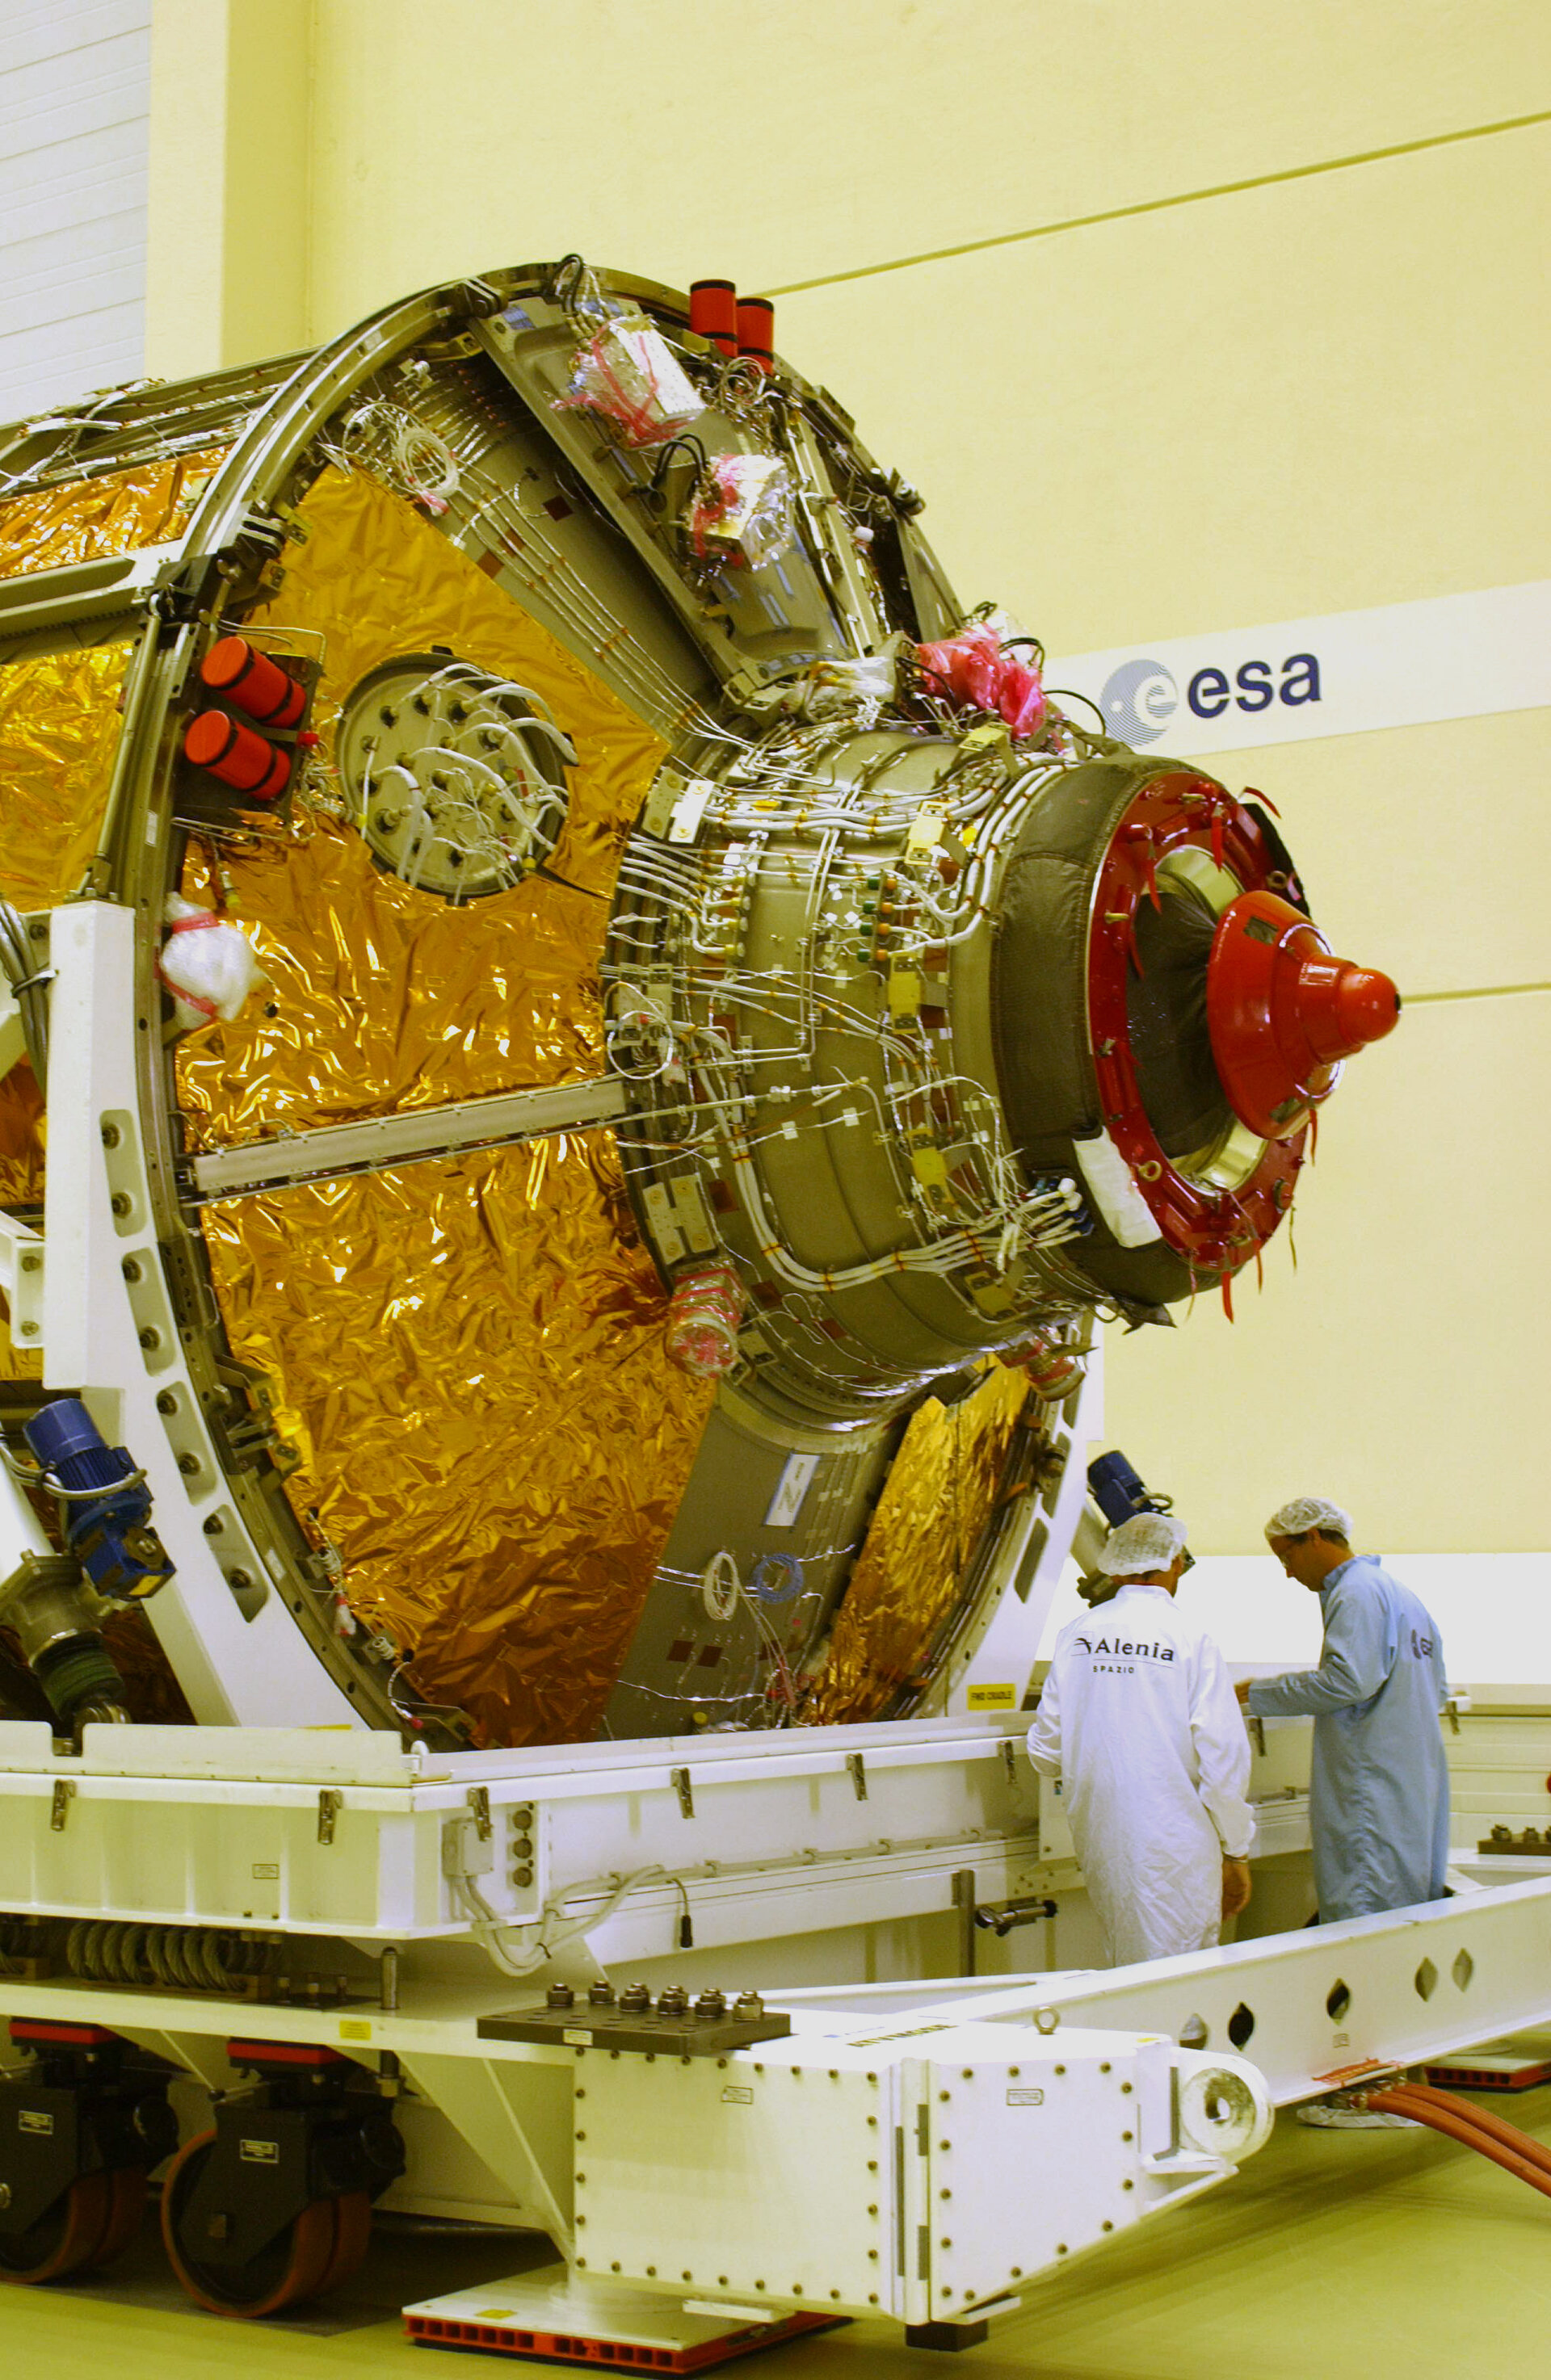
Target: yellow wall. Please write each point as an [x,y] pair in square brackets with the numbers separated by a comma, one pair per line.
[1184,317]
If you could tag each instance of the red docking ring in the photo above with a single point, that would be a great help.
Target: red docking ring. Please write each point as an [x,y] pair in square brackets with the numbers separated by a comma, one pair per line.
[1215,1230]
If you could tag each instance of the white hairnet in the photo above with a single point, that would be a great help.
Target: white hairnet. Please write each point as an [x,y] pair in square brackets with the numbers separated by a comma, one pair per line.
[1147,1541]
[1307,1512]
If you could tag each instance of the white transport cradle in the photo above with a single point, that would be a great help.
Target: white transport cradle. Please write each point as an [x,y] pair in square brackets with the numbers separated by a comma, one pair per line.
[916,2149]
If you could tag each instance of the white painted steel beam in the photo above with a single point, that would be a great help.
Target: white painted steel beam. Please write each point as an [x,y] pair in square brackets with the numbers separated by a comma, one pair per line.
[1309,2009]
[375,1142]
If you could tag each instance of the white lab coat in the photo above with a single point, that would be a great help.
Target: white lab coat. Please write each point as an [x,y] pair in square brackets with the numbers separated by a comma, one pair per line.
[1138,1719]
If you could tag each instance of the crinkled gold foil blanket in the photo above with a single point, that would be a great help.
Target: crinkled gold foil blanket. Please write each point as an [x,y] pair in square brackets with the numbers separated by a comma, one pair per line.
[937,1502]
[59,711]
[385,997]
[58,734]
[470,1359]
[21,1138]
[468,1356]
[21,1185]
[83,519]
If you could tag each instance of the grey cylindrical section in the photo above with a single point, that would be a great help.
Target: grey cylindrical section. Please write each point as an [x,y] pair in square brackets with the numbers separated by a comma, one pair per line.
[1039,1003]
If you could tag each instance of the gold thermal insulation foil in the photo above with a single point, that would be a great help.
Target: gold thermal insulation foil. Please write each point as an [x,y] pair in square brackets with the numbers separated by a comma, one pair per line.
[468,1358]
[938,1498]
[58,734]
[385,997]
[85,519]
[23,1125]
[59,711]
[21,1138]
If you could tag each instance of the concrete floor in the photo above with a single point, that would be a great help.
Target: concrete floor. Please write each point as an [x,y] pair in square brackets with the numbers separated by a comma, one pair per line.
[1332,2256]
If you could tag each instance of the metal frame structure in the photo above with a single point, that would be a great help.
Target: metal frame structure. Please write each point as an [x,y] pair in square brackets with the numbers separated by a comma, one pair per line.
[1049,2111]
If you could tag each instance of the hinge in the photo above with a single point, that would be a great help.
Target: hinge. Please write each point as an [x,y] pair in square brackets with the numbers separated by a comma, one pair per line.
[686,1797]
[64,1794]
[330,1803]
[858,1769]
[479,1810]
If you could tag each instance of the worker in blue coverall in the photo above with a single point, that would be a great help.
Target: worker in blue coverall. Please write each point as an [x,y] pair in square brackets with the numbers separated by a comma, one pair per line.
[1378,1797]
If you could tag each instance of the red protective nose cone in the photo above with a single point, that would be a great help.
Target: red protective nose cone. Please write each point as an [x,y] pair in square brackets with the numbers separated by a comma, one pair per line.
[1282,1012]
[1367,1005]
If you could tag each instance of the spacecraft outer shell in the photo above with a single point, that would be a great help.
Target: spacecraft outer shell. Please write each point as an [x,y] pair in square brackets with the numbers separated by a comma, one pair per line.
[1031,1016]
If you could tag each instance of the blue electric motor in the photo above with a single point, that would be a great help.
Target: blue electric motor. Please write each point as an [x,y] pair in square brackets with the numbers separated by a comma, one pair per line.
[107,1503]
[1116,1489]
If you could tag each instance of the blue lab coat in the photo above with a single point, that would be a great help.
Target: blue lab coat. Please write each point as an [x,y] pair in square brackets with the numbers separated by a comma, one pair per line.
[1379,1799]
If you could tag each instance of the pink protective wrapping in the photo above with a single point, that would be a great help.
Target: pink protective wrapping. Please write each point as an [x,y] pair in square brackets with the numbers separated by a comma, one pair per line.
[974,668]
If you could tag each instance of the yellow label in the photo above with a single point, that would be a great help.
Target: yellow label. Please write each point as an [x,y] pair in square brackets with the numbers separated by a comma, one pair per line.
[926,829]
[930,1168]
[904,992]
[354,2028]
[992,1698]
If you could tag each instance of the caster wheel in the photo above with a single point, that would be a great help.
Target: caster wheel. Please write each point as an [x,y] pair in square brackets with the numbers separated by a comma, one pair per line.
[65,2239]
[352,2239]
[126,2213]
[289,2267]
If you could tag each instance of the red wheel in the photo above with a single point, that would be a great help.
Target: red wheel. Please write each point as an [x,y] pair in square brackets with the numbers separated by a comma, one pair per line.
[126,2213]
[287,2268]
[69,2236]
[353,2238]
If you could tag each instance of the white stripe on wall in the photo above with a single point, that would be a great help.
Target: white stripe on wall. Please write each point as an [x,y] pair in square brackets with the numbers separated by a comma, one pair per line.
[1288,681]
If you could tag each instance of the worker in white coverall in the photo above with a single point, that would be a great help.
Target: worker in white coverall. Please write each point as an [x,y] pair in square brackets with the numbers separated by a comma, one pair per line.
[1139,1721]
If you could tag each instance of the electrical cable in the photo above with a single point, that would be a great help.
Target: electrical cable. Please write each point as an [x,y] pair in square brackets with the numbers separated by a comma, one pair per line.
[28,989]
[1485,2120]
[488,1928]
[1472,2126]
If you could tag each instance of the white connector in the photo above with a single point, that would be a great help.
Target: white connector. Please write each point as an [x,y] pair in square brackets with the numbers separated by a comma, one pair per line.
[466,1851]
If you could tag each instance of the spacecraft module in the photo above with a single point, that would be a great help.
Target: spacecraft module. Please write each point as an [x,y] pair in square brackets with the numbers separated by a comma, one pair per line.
[584,1051]
[593,1045]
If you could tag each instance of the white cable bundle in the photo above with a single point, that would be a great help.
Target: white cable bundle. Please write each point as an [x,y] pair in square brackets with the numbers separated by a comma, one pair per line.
[209,967]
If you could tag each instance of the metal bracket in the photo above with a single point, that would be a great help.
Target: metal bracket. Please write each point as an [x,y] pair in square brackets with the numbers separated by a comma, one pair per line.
[21,1279]
[479,1810]
[64,1794]
[686,1797]
[330,1803]
[857,1767]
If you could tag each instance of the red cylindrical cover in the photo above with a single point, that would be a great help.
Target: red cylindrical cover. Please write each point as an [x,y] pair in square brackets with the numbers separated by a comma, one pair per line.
[714,313]
[756,328]
[256,684]
[240,756]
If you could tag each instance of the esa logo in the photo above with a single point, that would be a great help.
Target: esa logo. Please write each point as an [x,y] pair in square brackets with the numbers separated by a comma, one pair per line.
[1141,697]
